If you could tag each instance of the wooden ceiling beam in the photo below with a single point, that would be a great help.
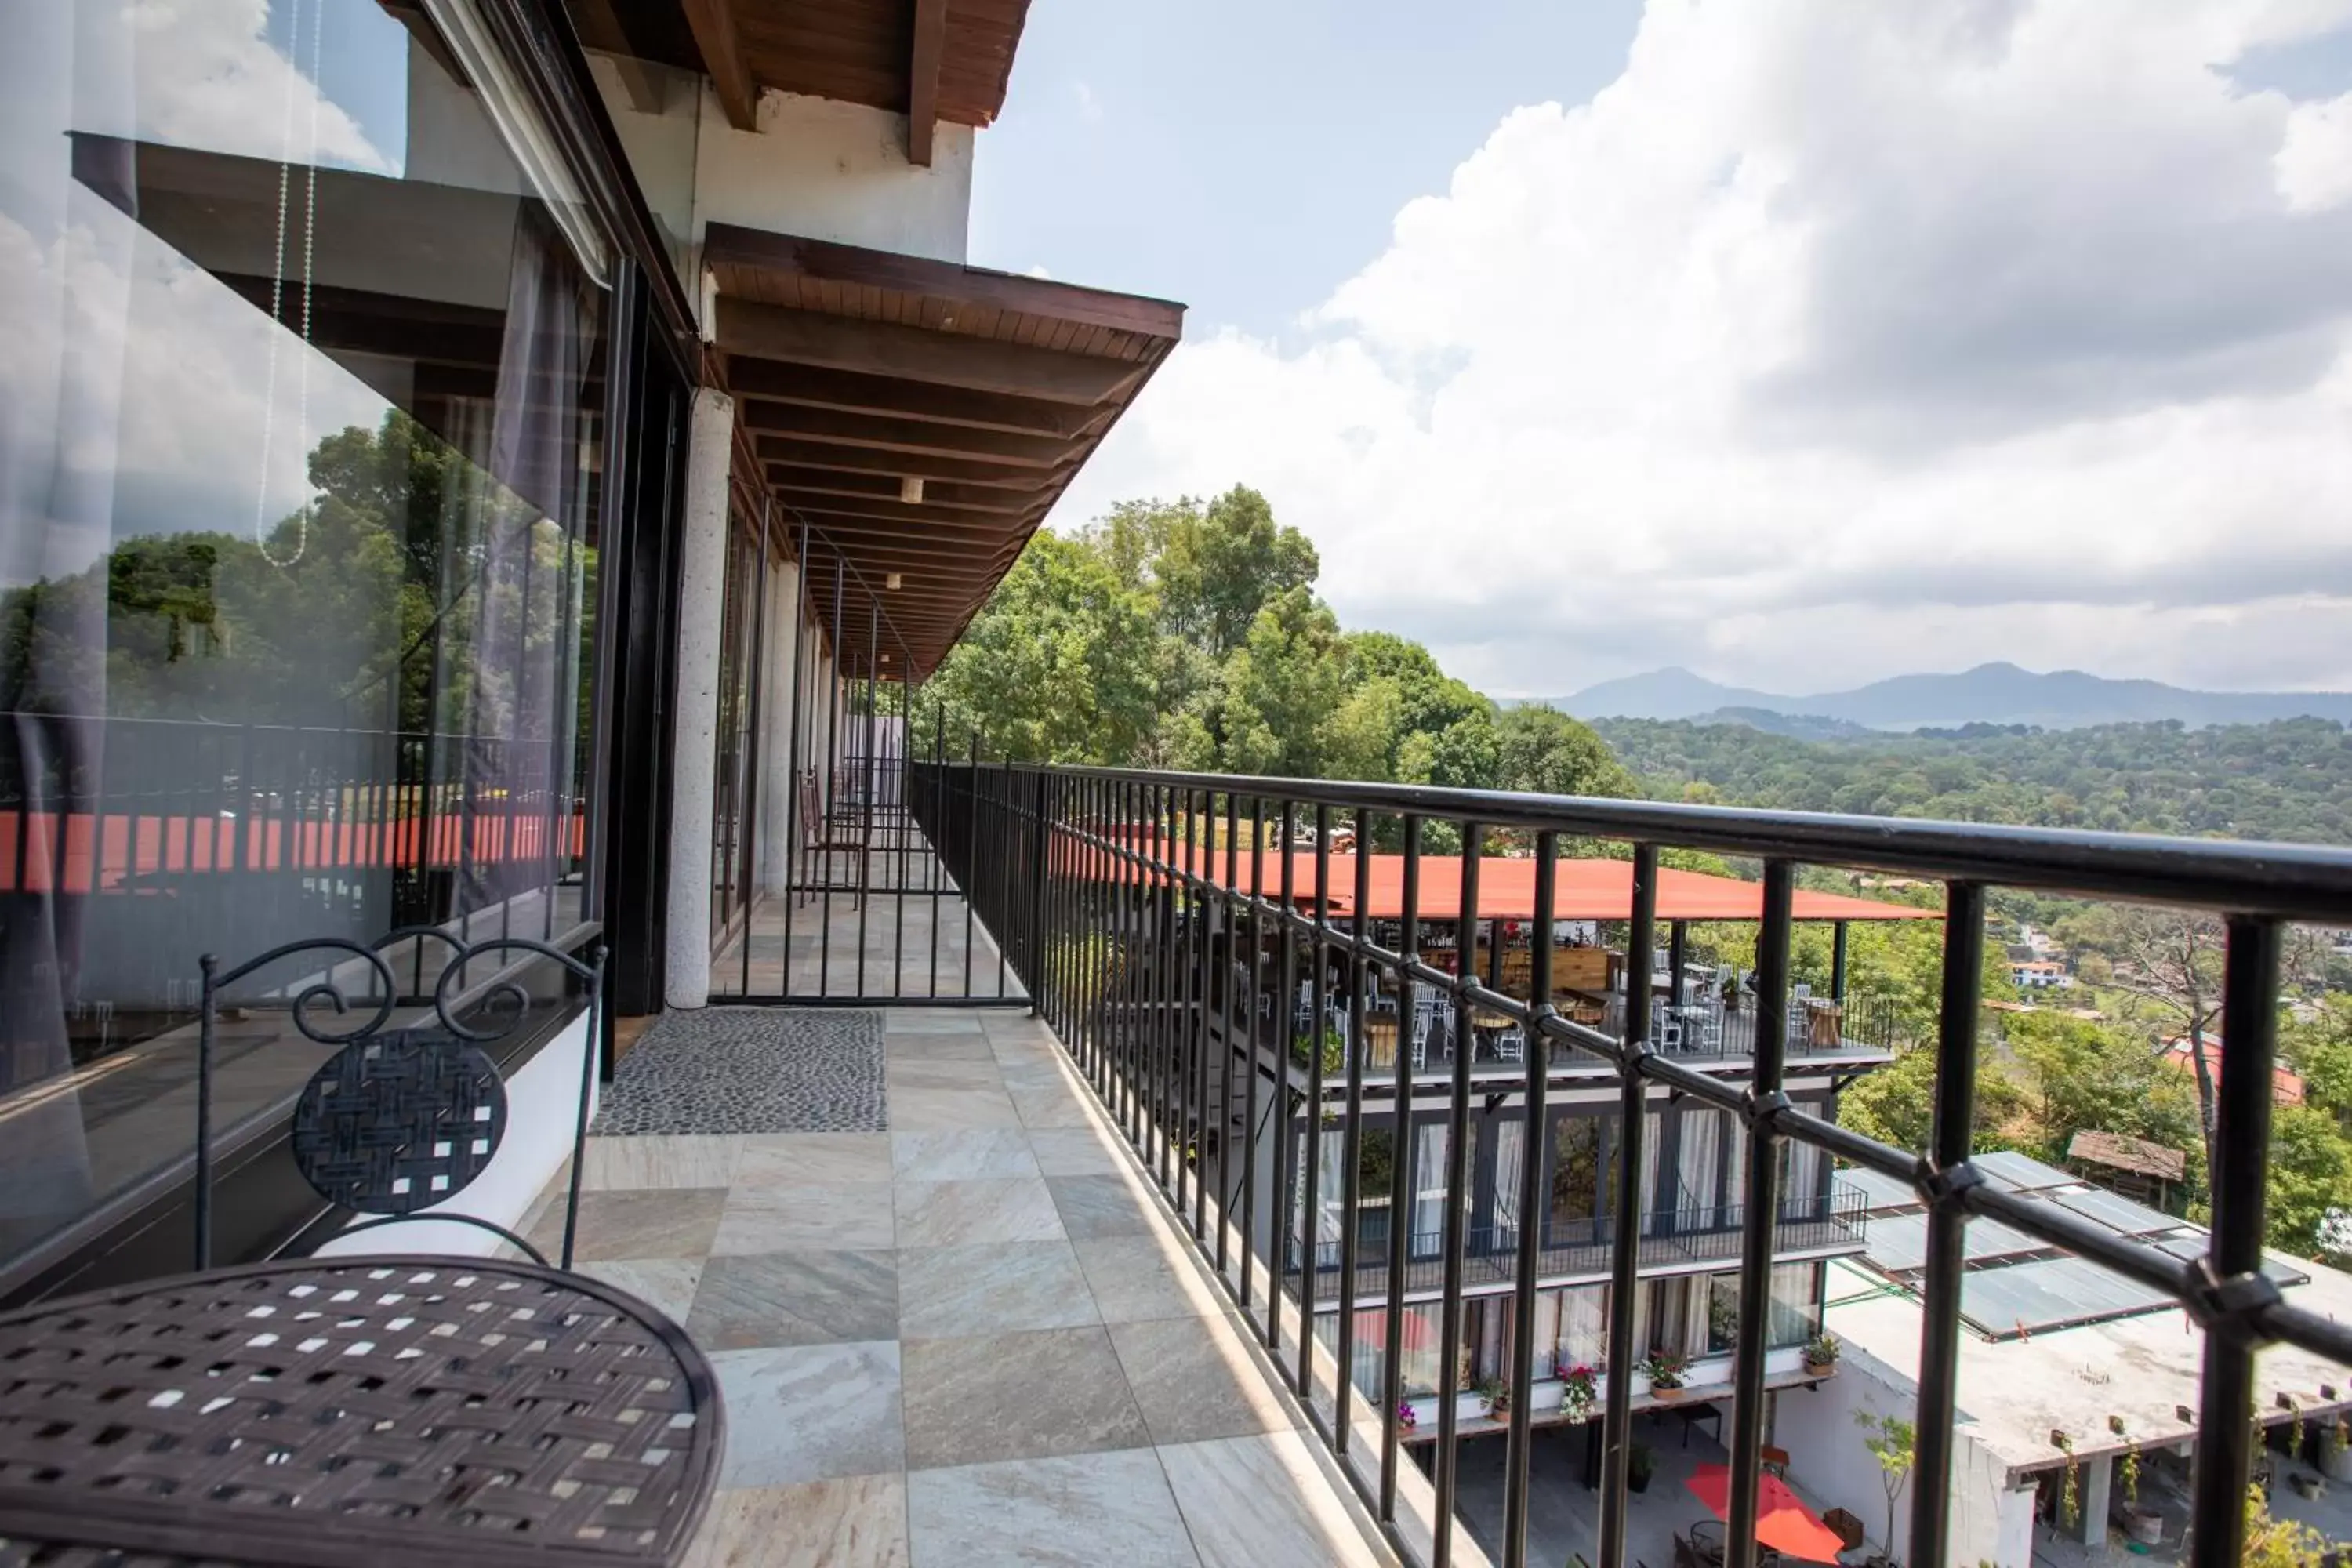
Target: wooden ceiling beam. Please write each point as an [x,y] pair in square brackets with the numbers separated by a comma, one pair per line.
[954,499]
[920,353]
[910,436]
[853,392]
[816,456]
[956,287]
[923,79]
[889,509]
[712,22]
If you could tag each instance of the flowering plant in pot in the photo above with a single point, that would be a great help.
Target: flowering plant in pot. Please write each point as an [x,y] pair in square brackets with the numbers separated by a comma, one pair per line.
[1406,1419]
[1579,1393]
[1664,1369]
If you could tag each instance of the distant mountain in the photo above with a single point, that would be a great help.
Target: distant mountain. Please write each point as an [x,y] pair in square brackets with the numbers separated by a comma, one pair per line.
[1988,694]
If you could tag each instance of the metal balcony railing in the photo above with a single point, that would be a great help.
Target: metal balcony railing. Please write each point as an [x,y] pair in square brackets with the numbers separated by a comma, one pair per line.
[1083,871]
[1669,1240]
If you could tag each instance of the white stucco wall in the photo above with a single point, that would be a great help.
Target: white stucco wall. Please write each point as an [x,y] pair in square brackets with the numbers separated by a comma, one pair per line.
[1828,1460]
[701,607]
[833,171]
[542,1108]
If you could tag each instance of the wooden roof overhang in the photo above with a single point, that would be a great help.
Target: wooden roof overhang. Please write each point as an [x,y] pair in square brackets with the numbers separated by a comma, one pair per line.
[931,60]
[858,370]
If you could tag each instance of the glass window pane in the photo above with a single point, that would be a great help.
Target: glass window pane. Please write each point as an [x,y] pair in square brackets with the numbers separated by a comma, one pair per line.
[299,485]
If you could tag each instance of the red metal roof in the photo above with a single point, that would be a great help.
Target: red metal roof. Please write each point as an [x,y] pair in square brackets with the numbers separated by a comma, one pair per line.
[1584,891]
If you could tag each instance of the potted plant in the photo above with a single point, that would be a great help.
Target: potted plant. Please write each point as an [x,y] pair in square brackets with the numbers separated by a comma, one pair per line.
[1406,1419]
[1664,1369]
[1579,1392]
[1731,992]
[1821,1353]
[1494,1398]
[1637,1467]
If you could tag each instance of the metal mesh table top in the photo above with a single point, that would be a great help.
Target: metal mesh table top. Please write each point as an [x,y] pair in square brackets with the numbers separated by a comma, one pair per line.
[355,1411]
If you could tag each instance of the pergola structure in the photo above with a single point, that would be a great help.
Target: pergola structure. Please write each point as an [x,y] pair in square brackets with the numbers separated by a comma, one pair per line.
[920,417]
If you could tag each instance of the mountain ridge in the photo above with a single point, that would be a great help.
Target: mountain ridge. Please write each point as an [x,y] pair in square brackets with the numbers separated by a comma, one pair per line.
[1993,693]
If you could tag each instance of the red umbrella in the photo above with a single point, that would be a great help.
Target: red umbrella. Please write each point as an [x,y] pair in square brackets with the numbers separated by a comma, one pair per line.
[1782,1522]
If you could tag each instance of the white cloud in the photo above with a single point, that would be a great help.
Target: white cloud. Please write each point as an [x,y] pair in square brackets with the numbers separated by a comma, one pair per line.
[209,76]
[1834,341]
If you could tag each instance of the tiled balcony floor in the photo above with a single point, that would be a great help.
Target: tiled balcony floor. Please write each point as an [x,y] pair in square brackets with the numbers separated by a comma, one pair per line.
[977,1337]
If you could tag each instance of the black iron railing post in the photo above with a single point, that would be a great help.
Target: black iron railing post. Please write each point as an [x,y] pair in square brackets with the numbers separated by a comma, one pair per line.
[1949,1177]
[1457,1181]
[1764,1100]
[1035,976]
[1624,1274]
[1400,1238]
[1534,1191]
[2233,1275]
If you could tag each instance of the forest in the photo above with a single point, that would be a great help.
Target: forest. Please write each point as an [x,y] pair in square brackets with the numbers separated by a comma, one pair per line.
[2290,780]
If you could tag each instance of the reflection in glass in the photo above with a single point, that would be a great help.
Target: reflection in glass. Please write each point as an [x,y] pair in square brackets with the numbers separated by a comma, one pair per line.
[298,468]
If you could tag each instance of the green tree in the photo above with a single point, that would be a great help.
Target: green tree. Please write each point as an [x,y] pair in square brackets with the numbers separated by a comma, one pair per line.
[2083,1075]
[1280,688]
[1894,1444]
[1046,672]
[1542,749]
[2310,1177]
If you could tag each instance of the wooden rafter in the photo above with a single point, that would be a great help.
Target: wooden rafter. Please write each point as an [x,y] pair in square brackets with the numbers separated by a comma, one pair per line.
[853,392]
[916,353]
[923,79]
[712,23]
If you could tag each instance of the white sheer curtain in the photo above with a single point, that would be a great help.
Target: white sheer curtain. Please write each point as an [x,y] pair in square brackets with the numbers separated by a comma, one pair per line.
[1429,1189]
[1700,1166]
[1510,1142]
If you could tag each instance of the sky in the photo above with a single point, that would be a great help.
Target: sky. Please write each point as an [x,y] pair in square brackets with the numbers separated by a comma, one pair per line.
[1797,342]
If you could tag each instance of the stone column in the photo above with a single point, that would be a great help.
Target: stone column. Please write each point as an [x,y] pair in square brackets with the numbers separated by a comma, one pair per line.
[701,606]
[778,803]
[2096,1482]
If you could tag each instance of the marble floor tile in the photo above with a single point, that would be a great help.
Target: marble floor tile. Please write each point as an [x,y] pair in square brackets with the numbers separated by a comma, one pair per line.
[1264,1502]
[670,1221]
[809,1413]
[921,1110]
[900,1076]
[777,1219]
[957,1292]
[967,1214]
[933,1020]
[665,1284]
[812,1296]
[1076,1150]
[937,1048]
[1103,1206]
[813,1159]
[675,1160]
[1015,1396]
[961,1155]
[854,1521]
[1043,1070]
[1054,1106]
[1196,1378]
[1081,1510]
[1136,1278]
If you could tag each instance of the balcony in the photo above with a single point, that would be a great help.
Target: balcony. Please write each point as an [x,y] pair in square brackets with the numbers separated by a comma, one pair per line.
[1584,1251]
[979,1334]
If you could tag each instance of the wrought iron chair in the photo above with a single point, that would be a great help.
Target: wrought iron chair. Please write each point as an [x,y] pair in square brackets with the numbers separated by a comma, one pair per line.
[398,1119]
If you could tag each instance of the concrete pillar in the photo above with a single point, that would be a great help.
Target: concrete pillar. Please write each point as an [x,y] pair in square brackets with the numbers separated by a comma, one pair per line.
[2097,1481]
[778,682]
[701,606]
